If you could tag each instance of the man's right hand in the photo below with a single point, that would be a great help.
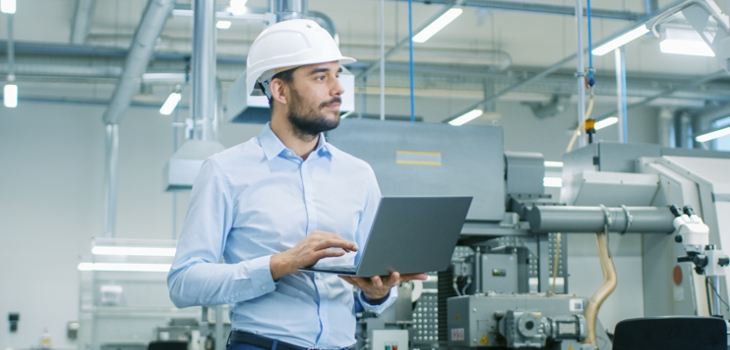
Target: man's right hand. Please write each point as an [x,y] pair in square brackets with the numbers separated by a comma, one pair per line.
[315,246]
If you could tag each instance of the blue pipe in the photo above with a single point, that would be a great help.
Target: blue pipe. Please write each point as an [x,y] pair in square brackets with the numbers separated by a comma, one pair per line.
[591,79]
[410,55]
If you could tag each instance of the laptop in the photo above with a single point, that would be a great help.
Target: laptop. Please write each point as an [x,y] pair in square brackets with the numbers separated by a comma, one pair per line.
[409,235]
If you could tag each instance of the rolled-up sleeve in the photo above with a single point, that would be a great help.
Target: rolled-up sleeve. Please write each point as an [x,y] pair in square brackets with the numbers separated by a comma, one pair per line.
[197,276]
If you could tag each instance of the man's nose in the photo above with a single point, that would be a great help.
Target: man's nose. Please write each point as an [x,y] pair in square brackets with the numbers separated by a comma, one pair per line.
[337,88]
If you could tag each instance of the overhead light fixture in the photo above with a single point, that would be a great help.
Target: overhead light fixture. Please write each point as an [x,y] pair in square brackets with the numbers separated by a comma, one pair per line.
[713,135]
[136,251]
[171,102]
[238,7]
[7,6]
[10,95]
[437,25]
[684,42]
[552,182]
[549,164]
[466,117]
[606,122]
[223,24]
[620,41]
[124,267]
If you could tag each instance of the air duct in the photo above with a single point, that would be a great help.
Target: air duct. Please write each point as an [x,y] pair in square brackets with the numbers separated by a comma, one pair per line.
[150,27]
[184,165]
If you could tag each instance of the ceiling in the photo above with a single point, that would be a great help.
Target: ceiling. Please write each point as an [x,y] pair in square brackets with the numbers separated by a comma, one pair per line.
[458,58]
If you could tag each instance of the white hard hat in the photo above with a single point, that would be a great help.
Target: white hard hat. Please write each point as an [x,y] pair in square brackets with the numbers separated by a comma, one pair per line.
[288,44]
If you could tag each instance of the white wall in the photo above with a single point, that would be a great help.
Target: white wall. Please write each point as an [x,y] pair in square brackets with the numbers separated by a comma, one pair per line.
[51,197]
[51,204]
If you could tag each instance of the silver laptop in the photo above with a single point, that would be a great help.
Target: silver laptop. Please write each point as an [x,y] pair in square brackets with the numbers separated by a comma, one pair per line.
[409,235]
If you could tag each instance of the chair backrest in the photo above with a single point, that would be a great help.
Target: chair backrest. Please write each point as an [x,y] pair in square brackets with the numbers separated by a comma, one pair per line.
[671,333]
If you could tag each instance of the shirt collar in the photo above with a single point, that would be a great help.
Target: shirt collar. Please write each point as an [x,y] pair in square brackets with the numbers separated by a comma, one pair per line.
[273,147]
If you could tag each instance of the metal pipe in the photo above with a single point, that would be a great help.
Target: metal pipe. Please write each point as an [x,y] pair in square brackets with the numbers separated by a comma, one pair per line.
[716,296]
[382,59]
[204,67]
[149,29]
[623,130]
[587,219]
[112,161]
[220,341]
[11,46]
[290,9]
[403,42]
[580,74]
[82,18]
[540,8]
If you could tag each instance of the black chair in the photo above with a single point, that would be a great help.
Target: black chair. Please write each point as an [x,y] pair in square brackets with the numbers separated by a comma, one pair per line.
[168,345]
[671,333]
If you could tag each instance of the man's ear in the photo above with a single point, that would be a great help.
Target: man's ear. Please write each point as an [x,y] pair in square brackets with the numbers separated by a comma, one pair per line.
[279,91]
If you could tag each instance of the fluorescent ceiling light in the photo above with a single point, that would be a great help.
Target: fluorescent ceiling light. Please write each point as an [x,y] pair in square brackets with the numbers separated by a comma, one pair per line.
[466,117]
[713,135]
[606,122]
[620,41]
[170,103]
[223,24]
[138,251]
[7,6]
[437,25]
[151,78]
[238,7]
[684,42]
[552,182]
[549,164]
[117,267]
[10,95]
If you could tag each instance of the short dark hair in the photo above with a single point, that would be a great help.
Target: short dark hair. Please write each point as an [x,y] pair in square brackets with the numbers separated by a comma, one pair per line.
[286,76]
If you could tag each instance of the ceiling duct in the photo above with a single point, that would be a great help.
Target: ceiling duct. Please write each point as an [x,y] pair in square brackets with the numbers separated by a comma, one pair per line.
[184,165]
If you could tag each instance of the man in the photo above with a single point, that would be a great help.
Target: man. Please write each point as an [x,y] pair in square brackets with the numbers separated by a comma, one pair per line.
[282,201]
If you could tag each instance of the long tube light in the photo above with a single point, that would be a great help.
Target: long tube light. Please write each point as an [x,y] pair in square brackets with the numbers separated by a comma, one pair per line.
[123,267]
[10,95]
[223,24]
[466,117]
[137,251]
[437,25]
[620,41]
[713,135]
[553,164]
[552,182]
[7,6]
[170,103]
[606,122]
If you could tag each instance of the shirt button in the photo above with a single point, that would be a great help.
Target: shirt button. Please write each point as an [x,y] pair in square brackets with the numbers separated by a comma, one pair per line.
[263,287]
[319,275]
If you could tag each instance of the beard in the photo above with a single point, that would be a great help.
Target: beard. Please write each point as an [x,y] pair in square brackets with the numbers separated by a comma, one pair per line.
[307,123]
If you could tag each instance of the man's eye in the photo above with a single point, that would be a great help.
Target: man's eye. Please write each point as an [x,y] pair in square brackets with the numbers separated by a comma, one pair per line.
[320,77]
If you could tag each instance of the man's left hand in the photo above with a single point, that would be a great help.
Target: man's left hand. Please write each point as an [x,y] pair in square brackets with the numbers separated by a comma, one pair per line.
[377,287]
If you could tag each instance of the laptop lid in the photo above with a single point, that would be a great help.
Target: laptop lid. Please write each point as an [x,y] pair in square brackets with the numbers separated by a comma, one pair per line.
[411,235]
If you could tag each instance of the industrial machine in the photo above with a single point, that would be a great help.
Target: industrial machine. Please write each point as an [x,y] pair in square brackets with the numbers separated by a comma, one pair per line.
[508,286]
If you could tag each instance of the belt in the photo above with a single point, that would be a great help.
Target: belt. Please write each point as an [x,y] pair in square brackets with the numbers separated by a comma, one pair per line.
[268,343]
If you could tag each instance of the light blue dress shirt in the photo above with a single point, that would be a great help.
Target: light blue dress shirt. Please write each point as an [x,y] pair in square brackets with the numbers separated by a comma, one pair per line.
[257,199]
